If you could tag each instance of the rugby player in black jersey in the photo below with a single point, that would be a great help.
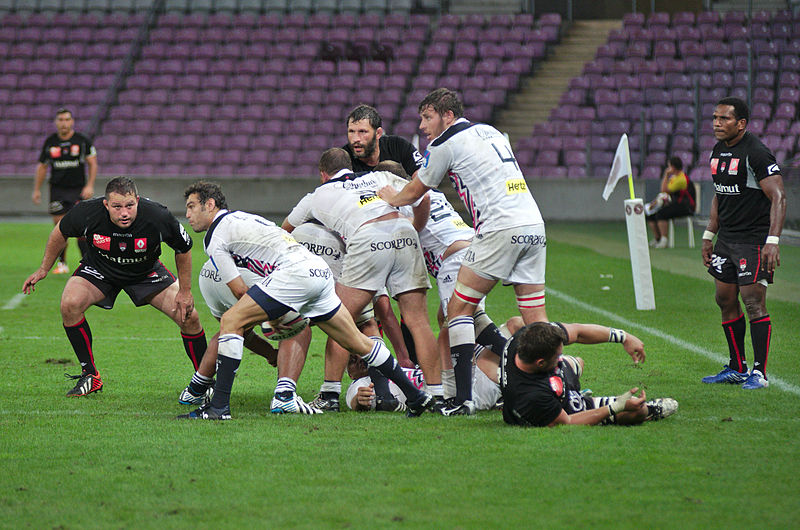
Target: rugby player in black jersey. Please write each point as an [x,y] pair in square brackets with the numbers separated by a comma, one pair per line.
[747,214]
[69,154]
[124,234]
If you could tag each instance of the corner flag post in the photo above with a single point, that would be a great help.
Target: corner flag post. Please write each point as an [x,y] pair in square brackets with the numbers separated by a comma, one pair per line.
[637,228]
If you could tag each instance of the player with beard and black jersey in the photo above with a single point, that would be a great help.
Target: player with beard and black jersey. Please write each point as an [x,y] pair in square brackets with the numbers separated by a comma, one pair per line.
[124,234]
[747,214]
[69,154]
[541,387]
[368,145]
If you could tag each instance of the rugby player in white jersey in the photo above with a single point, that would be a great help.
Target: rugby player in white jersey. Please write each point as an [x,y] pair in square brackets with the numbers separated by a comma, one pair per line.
[382,250]
[509,243]
[293,279]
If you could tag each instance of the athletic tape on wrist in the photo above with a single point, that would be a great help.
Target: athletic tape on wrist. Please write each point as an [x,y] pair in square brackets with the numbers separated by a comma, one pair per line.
[708,234]
[616,335]
[773,240]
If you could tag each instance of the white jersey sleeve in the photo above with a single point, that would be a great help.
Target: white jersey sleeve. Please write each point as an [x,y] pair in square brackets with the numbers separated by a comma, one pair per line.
[301,213]
[480,163]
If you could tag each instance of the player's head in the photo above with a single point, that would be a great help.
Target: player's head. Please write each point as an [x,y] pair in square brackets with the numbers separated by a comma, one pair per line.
[356,367]
[203,201]
[332,161]
[392,167]
[64,122]
[363,131]
[676,163]
[539,346]
[730,119]
[438,110]
[121,201]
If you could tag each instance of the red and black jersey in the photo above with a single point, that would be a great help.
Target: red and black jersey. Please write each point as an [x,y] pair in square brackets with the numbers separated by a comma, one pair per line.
[742,206]
[395,148]
[125,254]
[537,399]
[67,159]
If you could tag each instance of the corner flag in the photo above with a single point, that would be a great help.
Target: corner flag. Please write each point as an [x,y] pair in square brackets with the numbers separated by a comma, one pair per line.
[620,168]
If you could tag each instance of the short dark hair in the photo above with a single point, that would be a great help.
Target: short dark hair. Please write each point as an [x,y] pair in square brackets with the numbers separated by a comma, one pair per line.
[64,110]
[442,100]
[539,340]
[334,160]
[121,185]
[740,109]
[365,112]
[392,167]
[676,162]
[207,190]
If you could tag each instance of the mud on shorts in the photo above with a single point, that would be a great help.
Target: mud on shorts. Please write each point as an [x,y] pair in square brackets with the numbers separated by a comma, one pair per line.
[140,292]
[513,255]
[385,254]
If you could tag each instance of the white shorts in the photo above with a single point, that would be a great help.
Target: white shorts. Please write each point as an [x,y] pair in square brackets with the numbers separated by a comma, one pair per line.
[385,254]
[322,242]
[446,278]
[485,392]
[513,255]
[307,287]
[217,295]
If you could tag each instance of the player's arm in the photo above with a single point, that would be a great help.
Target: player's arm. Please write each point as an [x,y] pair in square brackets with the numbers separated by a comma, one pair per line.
[237,287]
[595,334]
[421,213]
[55,245]
[711,230]
[772,187]
[184,302]
[88,190]
[38,179]
[286,225]
[626,402]
[409,194]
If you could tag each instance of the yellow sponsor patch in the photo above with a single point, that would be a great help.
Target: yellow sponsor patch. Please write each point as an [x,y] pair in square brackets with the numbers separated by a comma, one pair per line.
[458,223]
[516,186]
[289,239]
[366,200]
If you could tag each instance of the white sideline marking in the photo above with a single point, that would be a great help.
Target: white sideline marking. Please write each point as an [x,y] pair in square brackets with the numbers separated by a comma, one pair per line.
[773,381]
[14,302]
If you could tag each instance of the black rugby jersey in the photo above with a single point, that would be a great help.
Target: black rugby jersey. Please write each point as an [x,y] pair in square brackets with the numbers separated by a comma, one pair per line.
[742,206]
[125,254]
[536,400]
[67,159]
[395,148]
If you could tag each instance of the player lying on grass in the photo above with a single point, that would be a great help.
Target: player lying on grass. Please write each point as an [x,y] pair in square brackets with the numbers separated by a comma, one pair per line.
[124,235]
[541,387]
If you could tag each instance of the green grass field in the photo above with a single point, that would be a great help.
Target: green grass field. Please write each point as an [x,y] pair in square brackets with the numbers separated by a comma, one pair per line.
[117,459]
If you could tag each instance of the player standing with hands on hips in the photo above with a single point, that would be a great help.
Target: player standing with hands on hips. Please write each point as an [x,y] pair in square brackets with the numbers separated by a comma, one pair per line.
[747,214]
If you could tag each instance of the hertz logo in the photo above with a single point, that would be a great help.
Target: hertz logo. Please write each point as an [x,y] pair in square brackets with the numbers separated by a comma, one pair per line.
[367,199]
[516,186]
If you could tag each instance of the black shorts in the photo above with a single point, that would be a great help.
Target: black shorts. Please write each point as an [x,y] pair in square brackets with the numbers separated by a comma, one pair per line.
[738,263]
[139,292]
[63,199]
[671,211]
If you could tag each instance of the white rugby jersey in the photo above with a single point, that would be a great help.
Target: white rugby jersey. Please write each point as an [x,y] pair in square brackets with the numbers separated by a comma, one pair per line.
[346,202]
[243,240]
[322,242]
[479,161]
[444,227]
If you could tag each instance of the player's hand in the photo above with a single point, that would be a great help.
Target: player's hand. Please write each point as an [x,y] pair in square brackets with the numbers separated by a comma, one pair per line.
[628,401]
[36,196]
[707,250]
[387,193]
[634,347]
[406,363]
[184,305]
[770,257]
[366,396]
[32,280]
[87,192]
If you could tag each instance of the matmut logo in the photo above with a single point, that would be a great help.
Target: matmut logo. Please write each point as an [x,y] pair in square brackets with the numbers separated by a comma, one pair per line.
[101,241]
